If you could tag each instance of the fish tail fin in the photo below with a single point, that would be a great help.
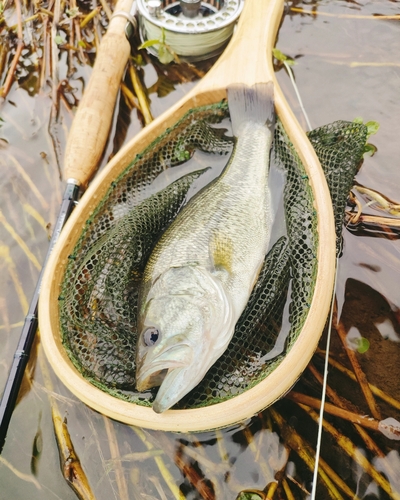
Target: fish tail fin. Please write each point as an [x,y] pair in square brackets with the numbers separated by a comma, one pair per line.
[254,104]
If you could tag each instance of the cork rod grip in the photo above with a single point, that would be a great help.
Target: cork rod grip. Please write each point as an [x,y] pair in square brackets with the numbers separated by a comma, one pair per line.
[90,128]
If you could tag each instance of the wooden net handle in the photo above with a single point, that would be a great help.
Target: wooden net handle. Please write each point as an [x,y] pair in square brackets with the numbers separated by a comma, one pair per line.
[90,127]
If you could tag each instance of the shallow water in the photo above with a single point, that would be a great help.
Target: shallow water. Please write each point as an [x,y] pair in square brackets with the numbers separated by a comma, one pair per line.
[346,67]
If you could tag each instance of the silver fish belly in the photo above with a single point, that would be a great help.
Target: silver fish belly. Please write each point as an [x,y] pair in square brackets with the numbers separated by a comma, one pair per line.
[201,273]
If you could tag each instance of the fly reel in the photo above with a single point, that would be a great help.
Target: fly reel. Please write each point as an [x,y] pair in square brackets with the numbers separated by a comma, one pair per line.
[195,30]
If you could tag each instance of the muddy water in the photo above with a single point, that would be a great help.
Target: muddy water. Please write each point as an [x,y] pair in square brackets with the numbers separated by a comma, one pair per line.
[347,66]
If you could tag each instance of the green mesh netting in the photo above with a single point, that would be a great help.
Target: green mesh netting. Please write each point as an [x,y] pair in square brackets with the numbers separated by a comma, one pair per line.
[98,302]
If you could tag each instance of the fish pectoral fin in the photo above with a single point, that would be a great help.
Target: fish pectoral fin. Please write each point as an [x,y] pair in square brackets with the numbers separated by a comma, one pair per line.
[221,252]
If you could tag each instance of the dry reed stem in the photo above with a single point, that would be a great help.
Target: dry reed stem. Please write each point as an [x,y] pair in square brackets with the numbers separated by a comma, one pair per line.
[71,48]
[345,16]
[20,45]
[138,456]
[69,461]
[271,491]
[32,186]
[46,12]
[140,94]
[89,17]
[177,494]
[6,255]
[4,316]
[25,477]
[42,77]
[82,55]
[3,56]
[265,468]
[20,242]
[305,452]
[116,458]
[158,487]
[287,490]
[197,453]
[223,452]
[369,442]
[375,390]
[106,8]
[54,59]
[348,447]
[364,421]
[35,215]
[361,377]
[24,21]
[191,474]
[129,97]
[341,403]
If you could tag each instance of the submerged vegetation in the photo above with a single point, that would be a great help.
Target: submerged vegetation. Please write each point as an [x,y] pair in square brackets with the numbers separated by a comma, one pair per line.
[47,50]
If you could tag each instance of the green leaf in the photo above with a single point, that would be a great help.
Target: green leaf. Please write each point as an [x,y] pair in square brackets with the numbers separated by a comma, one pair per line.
[149,43]
[59,40]
[81,43]
[138,60]
[165,55]
[372,127]
[369,149]
[71,13]
[280,56]
[363,345]
[360,344]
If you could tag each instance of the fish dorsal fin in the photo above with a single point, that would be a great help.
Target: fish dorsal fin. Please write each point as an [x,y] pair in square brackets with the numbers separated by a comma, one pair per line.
[251,104]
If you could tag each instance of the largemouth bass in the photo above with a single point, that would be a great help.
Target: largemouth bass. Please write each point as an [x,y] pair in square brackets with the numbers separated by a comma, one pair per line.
[201,272]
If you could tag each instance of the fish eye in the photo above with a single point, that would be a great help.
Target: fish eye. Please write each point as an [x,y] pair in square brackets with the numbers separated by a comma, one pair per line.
[150,336]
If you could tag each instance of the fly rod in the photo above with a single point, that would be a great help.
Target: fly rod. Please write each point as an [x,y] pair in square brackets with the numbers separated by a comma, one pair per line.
[86,141]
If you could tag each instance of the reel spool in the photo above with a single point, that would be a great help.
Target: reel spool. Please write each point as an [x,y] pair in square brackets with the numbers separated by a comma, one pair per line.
[195,30]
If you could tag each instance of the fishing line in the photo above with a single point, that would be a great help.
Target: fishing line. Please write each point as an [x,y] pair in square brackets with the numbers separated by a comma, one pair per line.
[290,72]
[324,384]
[328,338]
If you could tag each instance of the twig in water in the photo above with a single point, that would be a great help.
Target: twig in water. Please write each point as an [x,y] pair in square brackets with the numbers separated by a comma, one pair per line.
[21,475]
[193,476]
[362,379]
[116,456]
[364,421]
[140,94]
[21,243]
[348,447]
[5,255]
[20,45]
[287,490]
[375,390]
[106,9]
[69,461]
[302,448]
[89,17]
[177,494]
[341,403]
[129,97]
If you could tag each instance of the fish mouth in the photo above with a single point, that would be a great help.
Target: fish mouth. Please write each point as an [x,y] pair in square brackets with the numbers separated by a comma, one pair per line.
[155,366]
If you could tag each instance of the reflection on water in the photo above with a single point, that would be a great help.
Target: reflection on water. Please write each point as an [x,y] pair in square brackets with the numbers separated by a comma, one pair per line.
[346,67]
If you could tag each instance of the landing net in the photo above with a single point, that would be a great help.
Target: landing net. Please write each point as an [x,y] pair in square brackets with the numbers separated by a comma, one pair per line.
[99,293]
